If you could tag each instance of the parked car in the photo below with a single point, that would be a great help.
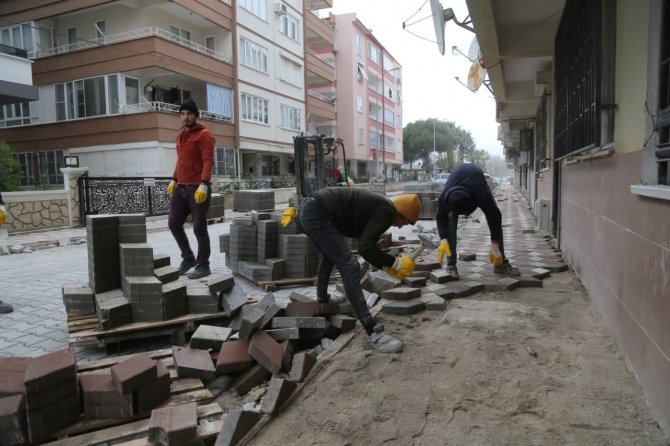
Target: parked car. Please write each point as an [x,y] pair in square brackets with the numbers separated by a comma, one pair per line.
[441,178]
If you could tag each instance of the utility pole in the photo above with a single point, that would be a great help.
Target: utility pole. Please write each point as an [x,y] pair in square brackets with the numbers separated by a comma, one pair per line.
[434,152]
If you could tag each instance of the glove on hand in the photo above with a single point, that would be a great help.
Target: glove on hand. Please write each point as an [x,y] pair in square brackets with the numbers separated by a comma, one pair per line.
[201,194]
[403,267]
[171,186]
[443,249]
[3,215]
[287,216]
[495,256]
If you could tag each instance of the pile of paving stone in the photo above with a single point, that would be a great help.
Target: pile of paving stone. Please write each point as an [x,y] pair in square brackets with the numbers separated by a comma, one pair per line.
[40,396]
[129,283]
[259,248]
[253,200]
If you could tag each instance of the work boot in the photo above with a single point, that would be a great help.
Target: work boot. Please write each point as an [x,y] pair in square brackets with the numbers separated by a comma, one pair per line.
[199,272]
[506,269]
[5,308]
[452,271]
[382,341]
[186,264]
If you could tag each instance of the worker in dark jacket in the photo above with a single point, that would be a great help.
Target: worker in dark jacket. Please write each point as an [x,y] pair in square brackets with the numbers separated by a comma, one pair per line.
[328,216]
[465,191]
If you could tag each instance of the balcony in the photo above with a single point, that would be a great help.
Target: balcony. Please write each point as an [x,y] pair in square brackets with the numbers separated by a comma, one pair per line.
[315,5]
[320,107]
[163,107]
[319,71]
[17,78]
[319,33]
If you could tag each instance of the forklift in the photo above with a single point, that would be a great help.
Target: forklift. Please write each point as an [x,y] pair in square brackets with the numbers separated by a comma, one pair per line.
[316,161]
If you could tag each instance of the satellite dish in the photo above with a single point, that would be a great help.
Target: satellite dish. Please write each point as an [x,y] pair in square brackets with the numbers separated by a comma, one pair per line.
[475,53]
[476,75]
[438,22]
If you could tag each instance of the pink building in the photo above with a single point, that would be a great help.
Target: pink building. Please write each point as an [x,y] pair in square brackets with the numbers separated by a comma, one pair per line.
[369,100]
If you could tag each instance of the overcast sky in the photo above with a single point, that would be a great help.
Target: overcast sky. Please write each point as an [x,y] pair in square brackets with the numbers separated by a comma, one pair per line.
[429,89]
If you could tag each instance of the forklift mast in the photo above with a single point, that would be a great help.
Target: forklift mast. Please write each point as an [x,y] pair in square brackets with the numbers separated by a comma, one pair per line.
[316,163]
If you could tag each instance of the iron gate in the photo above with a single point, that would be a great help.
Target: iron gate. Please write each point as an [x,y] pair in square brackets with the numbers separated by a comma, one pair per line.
[123,195]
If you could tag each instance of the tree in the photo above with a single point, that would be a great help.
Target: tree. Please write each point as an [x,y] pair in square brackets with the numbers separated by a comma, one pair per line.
[448,139]
[10,169]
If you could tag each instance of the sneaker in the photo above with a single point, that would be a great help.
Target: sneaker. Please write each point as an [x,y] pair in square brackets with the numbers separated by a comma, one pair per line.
[186,264]
[506,269]
[452,271]
[5,308]
[382,341]
[199,272]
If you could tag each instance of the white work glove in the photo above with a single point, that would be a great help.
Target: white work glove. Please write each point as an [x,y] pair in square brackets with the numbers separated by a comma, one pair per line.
[495,256]
[201,194]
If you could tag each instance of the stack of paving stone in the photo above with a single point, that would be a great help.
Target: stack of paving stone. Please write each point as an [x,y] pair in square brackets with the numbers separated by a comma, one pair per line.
[127,282]
[253,200]
[428,194]
[300,255]
[216,206]
[243,242]
[41,396]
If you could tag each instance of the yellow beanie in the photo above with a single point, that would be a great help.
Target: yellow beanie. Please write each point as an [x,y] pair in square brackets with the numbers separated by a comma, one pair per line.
[409,206]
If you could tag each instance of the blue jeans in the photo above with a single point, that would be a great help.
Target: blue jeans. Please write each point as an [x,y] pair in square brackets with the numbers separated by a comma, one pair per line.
[182,203]
[313,220]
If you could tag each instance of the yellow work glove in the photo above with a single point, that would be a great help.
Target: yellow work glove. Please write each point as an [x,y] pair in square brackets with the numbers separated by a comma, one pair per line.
[442,250]
[287,216]
[201,194]
[171,186]
[495,256]
[3,215]
[403,267]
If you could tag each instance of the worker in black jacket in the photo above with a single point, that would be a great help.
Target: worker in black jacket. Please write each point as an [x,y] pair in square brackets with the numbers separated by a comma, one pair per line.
[465,191]
[328,216]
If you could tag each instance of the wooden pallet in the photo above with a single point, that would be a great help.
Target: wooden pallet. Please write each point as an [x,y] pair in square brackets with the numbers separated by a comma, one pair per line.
[133,431]
[83,329]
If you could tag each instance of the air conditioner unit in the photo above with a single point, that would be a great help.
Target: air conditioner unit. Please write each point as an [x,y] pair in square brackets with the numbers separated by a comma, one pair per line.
[280,8]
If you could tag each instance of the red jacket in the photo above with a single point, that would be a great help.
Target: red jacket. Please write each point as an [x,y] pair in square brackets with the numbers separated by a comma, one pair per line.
[195,155]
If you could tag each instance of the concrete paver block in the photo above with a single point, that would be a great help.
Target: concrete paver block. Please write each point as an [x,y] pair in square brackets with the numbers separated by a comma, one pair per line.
[156,392]
[49,370]
[210,337]
[302,364]
[278,392]
[220,282]
[193,363]
[403,307]
[234,357]
[174,425]
[299,322]
[133,373]
[266,351]
[402,293]
[250,379]
[236,424]
[343,322]
[301,309]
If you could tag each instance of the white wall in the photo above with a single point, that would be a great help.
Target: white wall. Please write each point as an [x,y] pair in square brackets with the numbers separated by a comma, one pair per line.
[150,158]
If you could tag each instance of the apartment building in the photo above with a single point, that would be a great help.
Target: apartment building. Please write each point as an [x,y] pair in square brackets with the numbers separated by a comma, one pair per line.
[111,75]
[369,100]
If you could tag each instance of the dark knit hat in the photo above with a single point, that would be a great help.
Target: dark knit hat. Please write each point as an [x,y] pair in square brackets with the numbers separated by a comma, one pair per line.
[189,105]
[460,202]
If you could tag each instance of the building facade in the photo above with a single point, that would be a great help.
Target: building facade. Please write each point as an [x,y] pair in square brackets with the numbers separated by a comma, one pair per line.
[369,100]
[583,103]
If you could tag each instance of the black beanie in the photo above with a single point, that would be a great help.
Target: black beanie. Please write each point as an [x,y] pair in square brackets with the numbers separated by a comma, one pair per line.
[189,105]
[460,202]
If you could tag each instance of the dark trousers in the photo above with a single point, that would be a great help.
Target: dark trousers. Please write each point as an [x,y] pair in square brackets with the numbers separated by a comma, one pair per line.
[452,237]
[313,220]
[182,203]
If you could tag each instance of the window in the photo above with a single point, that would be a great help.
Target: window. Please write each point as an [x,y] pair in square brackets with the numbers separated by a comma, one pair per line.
[374,54]
[226,162]
[71,36]
[15,114]
[359,104]
[100,29]
[210,44]
[290,117]
[290,26]
[89,97]
[359,44]
[290,71]
[132,90]
[663,113]
[375,111]
[21,36]
[375,139]
[269,165]
[254,109]
[256,7]
[220,100]
[584,76]
[389,93]
[253,55]
[50,163]
[361,136]
[180,35]
[389,117]
[389,143]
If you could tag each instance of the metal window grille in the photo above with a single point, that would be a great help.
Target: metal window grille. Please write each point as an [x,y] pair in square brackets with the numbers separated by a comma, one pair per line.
[663,115]
[578,46]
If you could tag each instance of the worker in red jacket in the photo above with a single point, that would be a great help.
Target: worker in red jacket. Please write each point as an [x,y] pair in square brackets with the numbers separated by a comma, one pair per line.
[4,308]
[190,190]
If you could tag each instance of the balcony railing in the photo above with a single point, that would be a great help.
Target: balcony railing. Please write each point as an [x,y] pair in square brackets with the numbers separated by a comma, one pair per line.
[322,97]
[318,56]
[149,31]
[164,107]
[12,51]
